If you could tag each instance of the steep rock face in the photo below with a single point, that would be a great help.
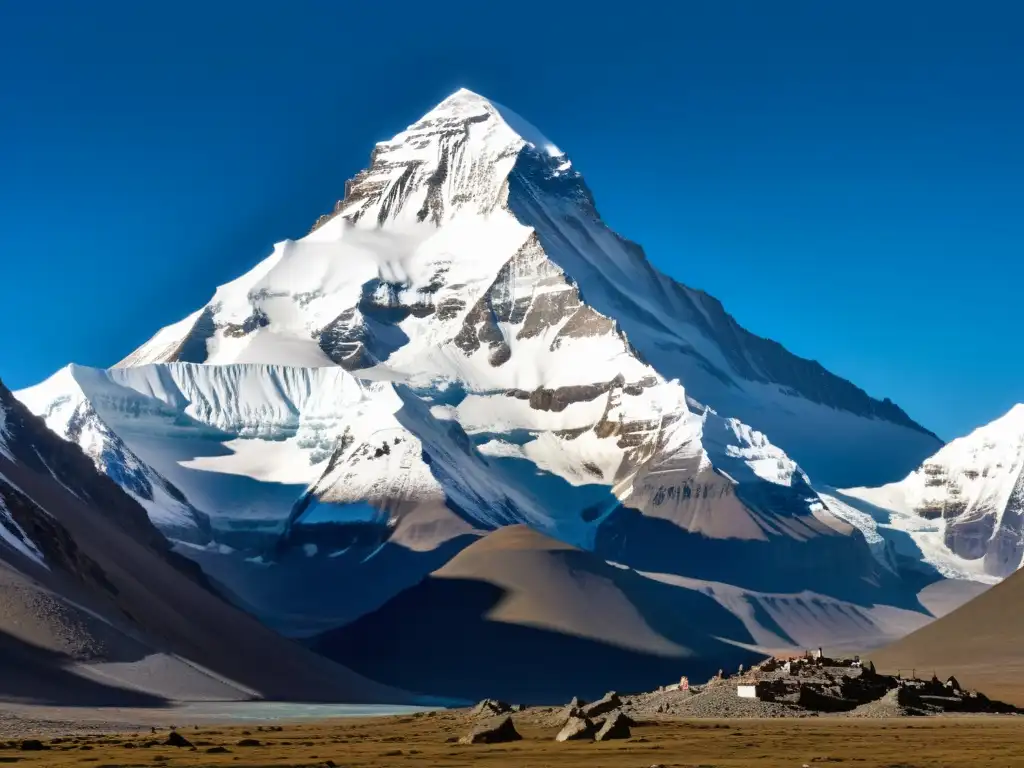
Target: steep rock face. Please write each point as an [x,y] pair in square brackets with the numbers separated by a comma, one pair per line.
[687,334]
[968,497]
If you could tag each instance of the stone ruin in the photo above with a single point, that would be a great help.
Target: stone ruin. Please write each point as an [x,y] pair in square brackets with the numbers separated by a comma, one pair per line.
[818,683]
[934,696]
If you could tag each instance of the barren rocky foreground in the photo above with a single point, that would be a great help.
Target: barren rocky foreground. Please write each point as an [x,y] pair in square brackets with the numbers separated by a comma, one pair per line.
[431,740]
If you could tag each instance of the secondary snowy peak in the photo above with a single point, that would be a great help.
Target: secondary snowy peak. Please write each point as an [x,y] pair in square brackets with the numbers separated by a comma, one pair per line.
[471,251]
[969,495]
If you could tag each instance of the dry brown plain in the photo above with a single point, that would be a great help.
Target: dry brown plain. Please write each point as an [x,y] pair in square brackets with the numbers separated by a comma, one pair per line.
[423,741]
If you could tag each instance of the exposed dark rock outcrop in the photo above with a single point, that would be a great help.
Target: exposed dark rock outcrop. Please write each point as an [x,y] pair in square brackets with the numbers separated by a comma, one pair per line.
[258,319]
[42,451]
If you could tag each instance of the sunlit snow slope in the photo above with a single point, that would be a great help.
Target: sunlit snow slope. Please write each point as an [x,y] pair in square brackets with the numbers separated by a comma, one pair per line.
[463,345]
[964,506]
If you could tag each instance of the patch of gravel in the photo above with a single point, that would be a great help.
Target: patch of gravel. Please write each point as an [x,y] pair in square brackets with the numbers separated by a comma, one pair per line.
[714,700]
[14,727]
[887,706]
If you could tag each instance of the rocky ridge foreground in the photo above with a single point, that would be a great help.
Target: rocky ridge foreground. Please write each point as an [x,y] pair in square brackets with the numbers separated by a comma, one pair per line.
[807,687]
[802,687]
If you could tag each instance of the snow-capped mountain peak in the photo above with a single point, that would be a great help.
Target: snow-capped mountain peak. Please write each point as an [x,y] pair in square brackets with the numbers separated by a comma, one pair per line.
[456,158]
[463,344]
[970,493]
[470,219]
[466,105]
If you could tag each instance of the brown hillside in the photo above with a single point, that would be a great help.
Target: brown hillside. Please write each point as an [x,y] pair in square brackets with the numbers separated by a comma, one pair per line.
[982,643]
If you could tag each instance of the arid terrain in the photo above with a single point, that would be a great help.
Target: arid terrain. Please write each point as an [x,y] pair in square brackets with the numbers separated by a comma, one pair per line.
[429,740]
[979,642]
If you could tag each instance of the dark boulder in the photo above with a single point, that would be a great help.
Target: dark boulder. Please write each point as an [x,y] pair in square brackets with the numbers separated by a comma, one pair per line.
[494,731]
[609,703]
[32,745]
[577,729]
[175,739]
[616,726]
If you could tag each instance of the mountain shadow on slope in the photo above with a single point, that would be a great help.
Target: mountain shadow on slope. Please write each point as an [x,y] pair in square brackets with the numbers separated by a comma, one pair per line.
[30,674]
[300,594]
[521,617]
[836,565]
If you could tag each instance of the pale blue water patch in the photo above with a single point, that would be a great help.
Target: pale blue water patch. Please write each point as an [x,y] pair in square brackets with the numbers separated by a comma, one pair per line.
[252,711]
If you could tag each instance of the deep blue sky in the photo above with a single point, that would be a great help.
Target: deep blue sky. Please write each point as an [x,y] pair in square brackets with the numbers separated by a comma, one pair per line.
[848,178]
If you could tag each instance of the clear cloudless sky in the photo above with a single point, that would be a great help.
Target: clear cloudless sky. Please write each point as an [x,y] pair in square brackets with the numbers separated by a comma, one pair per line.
[847,177]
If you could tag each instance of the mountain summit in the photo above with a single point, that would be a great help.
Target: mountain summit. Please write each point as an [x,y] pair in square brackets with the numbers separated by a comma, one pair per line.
[471,201]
